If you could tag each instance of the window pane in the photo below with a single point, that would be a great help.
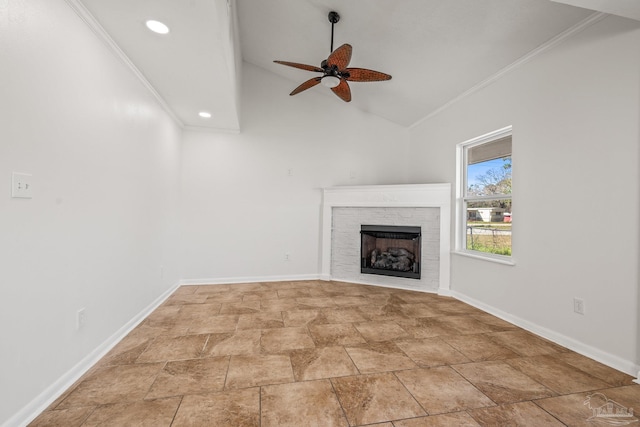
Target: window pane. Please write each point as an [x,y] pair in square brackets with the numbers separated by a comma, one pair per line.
[489,226]
[489,177]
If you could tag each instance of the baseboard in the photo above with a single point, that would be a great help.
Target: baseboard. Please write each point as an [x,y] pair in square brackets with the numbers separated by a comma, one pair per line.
[250,279]
[603,357]
[51,393]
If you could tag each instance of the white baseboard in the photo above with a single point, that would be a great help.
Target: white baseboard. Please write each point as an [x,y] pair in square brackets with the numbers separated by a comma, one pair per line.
[51,393]
[603,357]
[251,279]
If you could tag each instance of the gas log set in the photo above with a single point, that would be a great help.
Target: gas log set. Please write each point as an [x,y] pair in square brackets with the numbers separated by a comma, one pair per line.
[390,250]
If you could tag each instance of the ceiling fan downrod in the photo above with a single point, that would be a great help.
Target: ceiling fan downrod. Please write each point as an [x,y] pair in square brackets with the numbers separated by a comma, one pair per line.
[334,17]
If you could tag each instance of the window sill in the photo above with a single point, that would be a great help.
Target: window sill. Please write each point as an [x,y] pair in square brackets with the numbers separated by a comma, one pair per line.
[487,257]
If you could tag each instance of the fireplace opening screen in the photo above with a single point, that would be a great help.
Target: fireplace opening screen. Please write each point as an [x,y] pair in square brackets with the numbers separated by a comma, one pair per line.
[390,250]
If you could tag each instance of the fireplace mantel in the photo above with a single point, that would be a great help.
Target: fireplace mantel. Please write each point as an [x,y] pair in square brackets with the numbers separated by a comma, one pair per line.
[391,196]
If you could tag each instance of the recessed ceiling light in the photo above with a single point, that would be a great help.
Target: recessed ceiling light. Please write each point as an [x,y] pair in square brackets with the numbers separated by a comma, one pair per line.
[157,27]
[205,114]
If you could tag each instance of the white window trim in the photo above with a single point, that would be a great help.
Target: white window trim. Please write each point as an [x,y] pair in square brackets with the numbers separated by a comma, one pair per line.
[460,227]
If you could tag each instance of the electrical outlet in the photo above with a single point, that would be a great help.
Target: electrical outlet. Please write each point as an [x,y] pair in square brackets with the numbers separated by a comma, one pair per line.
[286,257]
[578,305]
[81,319]
[21,185]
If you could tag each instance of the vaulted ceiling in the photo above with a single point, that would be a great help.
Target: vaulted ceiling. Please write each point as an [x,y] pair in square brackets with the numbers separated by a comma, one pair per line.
[435,50]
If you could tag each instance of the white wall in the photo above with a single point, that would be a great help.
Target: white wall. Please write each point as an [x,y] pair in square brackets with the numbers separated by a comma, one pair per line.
[242,211]
[575,113]
[105,163]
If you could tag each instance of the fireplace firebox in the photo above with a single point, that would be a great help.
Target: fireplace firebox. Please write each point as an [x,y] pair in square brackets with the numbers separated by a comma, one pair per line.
[390,250]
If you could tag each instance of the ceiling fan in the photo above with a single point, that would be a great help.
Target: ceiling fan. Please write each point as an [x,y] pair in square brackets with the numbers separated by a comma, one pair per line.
[335,73]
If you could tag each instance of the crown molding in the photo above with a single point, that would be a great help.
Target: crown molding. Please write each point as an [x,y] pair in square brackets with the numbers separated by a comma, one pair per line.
[98,30]
[551,43]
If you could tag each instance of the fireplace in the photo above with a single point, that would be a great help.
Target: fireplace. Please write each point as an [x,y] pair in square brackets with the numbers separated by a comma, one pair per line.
[390,250]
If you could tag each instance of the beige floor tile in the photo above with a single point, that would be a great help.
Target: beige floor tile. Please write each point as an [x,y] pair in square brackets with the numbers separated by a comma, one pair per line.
[180,299]
[344,315]
[249,287]
[628,396]
[569,409]
[465,325]
[525,343]
[426,327]
[224,297]
[278,305]
[113,384]
[384,313]
[285,339]
[349,301]
[381,331]
[304,317]
[62,418]
[579,409]
[368,399]
[557,375]
[293,293]
[420,310]
[479,347]
[305,303]
[300,404]
[211,289]
[452,307]
[204,318]
[251,371]
[457,419]
[335,334]
[233,343]
[596,369]
[127,351]
[323,362]
[495,322]
[515,414]
[262,320]
[501,382]
[149,413]
[173,348]
[231,408]
[190,377]
[441,389]
[379,357]
[431,352]
[260,295]
[243,307]
[163,316]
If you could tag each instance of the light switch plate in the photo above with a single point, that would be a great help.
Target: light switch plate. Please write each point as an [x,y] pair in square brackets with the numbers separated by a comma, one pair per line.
[21,185]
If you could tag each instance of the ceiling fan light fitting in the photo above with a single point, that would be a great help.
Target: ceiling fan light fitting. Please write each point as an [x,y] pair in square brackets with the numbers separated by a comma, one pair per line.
[330,81]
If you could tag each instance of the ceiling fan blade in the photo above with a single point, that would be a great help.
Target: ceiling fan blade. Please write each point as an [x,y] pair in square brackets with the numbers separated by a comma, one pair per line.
[364,75]
[340,57]
[343,91]
[301,66]
[306,85]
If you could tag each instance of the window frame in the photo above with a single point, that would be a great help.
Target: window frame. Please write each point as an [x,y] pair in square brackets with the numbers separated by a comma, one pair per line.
[462,199]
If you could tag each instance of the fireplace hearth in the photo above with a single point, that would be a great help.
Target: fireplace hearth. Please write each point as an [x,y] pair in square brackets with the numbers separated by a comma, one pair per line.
[390,250]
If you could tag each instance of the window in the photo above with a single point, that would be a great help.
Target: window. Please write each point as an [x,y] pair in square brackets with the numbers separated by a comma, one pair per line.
[484,208]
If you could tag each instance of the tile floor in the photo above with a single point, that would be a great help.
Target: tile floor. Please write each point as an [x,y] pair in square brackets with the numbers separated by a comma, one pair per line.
[333,354]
